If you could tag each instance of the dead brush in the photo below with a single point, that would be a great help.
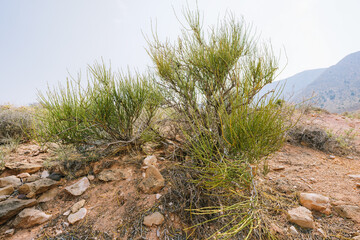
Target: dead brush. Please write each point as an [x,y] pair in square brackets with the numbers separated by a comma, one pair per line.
[15,124]
[220,213]
[320,139]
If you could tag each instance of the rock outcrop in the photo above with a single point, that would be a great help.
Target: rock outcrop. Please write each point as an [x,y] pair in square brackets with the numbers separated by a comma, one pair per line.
[11,207]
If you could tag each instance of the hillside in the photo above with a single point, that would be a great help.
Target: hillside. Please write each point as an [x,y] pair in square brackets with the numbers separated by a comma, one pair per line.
[114,204]
[294,84]
[337,89]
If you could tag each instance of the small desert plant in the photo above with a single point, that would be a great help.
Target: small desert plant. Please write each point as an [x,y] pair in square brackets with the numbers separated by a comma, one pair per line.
[113,107]
[15,124]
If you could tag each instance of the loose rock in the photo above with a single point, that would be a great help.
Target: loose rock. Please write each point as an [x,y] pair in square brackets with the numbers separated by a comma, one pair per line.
[356,177]
[10,180]
[9,232]
[76,207]
[11,207]
[315,202]
[293,230]
[278,168]
[349,211]
[45,174]
[79,187]
[23,175]
[111,175]
[75,217]
[30,217]
[32,178]
[153,181]
[67,213]
[154,219]
[301,216]
[150,160]
[7,190]
[91,177]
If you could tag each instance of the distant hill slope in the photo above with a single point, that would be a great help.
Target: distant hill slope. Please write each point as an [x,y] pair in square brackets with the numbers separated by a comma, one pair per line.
[337,89]
[294,84]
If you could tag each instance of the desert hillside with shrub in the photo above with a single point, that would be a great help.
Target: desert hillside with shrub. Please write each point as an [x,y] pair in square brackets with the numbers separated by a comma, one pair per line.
[187,150]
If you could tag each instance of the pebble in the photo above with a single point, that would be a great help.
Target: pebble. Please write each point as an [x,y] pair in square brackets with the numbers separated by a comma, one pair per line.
[67,213]
[293,230]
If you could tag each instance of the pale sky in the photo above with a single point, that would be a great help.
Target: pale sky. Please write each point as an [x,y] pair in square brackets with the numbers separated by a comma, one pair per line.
[41,41]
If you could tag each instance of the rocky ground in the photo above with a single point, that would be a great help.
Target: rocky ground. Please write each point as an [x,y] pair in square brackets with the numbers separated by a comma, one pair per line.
[121,197]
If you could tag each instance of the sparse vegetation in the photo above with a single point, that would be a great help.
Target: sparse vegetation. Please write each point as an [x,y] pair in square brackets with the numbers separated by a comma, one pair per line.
[322,139]
[209,81]
[16,124]
[112,107]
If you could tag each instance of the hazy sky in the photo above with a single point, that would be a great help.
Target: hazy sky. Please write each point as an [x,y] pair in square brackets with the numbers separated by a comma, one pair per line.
[42,40]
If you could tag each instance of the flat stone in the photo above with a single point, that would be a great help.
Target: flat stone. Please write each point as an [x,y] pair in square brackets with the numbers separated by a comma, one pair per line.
[316,202]
[79,187]
[13,206]
[45,174]
[75,217]
[67,213]
[155,218]
[302,217]
[278,168]
[30,217]
[32,178]
[356,177]
[7,190]
[293,230]
[22,167]
[349,211]
[153,181]
[10,180]
[91,177]
[49,195]
[111,175]
[150,160]
[4,197]
[23,175]
[76,207]
[9,232]
[38,186]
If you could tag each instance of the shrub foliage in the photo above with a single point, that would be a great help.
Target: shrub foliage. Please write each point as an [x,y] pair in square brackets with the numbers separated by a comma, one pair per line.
[212,79]
[112,107]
